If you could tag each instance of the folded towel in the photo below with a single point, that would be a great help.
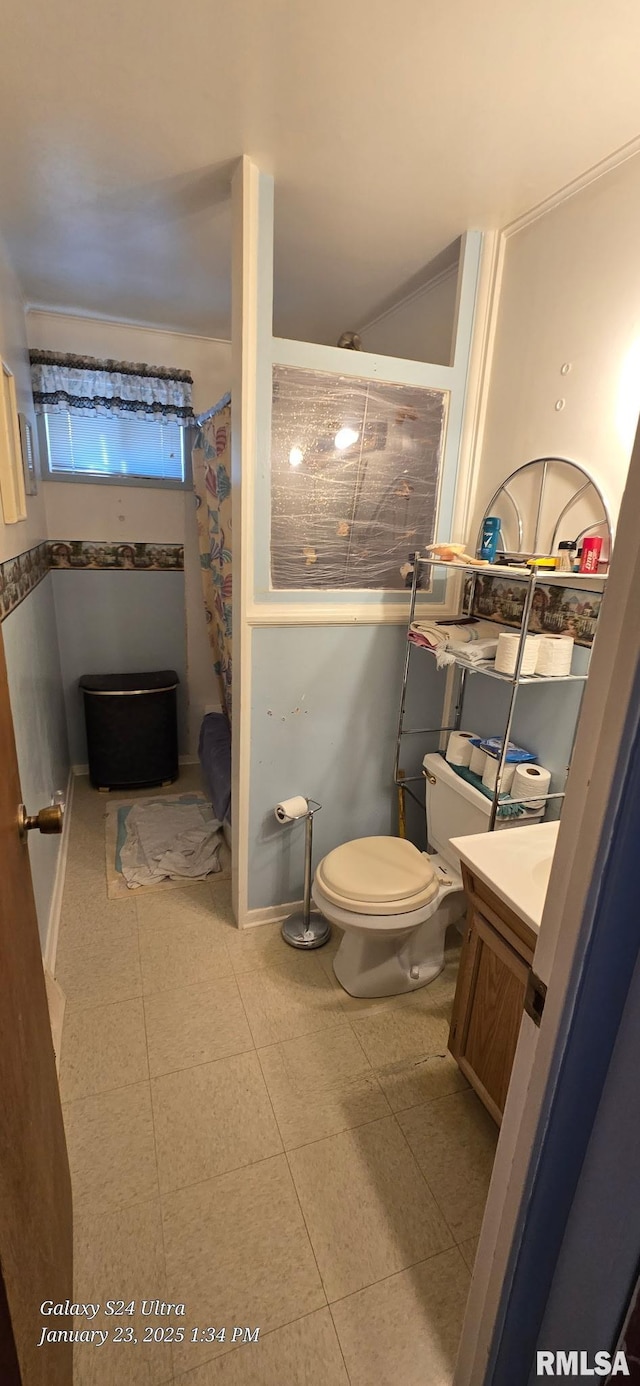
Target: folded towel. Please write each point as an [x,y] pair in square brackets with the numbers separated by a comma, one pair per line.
[476,654]
[439,636]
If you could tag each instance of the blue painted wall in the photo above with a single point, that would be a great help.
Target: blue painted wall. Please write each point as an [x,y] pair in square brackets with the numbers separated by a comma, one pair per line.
[324,714]
[118,623]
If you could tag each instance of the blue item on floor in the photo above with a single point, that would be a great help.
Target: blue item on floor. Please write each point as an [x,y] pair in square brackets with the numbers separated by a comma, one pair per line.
[214,750]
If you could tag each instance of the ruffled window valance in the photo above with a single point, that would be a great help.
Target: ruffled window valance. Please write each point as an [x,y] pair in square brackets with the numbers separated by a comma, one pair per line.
[82,385]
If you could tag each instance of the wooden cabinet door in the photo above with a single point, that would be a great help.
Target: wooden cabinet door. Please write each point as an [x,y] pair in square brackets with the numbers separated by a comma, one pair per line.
[487,1012]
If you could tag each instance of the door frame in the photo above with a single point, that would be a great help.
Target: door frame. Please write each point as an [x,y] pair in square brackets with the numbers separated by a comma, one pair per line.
[530,1196]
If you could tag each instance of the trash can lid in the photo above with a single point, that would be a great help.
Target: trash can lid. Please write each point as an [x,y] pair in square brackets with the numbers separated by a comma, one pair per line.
[159,681]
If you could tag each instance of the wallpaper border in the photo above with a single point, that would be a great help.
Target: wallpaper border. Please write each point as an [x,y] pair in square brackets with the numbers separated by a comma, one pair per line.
[123,555]
[19,576]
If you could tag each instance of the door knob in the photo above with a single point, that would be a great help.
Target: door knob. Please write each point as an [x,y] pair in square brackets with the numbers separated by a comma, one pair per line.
[48,820]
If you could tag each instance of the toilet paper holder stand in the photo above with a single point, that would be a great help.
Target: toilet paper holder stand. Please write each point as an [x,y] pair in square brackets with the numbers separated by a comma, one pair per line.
[307,928]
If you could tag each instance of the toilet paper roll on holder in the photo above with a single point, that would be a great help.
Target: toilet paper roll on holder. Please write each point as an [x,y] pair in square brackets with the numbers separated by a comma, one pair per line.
[306,928]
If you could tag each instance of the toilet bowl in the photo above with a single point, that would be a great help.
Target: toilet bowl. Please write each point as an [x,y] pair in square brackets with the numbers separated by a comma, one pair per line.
[396,903]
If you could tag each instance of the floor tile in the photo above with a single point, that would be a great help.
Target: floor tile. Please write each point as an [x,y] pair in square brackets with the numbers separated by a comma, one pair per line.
[291,998]
[366,1205]
[111,1148]
[413,1081]
[454,1141]
[195,1025]
[415,1030]
[83,876]
[180,953]
[161,908]
[211,1119]
[299,1354]
[103,1047]
[405,1331]
[119,1254]
[321,1084]
[220,892]
[103,967]
[252,949]
[88,912]
[469,1250]
[238,1253]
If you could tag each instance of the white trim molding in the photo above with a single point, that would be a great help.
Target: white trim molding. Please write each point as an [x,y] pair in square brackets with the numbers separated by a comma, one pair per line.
[272,914]
[576,185]
[55,908]
[420,290]
[352,614]
[252,317]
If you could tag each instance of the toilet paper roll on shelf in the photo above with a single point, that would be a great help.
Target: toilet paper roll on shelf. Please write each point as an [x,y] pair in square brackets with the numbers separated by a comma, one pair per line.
[290,809]
[459,748]
[491,774]
[478,760]
[555,653]
[507,653]
[529,780]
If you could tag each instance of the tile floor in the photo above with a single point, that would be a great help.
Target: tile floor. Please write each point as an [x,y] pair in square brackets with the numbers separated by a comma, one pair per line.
[249,1140]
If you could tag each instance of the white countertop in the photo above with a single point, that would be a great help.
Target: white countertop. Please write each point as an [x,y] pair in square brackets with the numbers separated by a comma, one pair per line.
[515,863]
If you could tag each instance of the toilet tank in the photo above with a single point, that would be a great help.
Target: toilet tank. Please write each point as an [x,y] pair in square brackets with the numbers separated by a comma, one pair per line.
[456,808]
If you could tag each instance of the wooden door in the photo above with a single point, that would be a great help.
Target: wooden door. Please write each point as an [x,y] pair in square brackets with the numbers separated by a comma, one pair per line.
[488,1011]
[35,1188]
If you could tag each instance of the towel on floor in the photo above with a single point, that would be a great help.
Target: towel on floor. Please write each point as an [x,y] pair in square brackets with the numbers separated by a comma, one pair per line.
[176,840]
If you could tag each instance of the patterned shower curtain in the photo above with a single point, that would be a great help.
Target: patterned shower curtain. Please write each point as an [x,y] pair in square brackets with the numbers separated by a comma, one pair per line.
[211,459]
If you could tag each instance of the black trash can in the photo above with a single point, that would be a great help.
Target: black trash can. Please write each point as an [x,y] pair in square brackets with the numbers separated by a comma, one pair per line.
[132,729]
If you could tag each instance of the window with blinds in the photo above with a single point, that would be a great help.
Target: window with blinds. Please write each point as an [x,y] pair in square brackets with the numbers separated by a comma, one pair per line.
[102,446]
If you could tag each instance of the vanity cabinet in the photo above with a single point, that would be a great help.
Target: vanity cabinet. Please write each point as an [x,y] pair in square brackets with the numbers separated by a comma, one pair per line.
[495,962]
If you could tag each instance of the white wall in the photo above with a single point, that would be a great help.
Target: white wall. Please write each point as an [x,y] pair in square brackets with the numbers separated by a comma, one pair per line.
[570,293]
[83,511]
[25,534]
[420,327]
[29,635]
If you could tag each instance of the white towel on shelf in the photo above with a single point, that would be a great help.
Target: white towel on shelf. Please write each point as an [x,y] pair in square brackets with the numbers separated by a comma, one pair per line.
[476,654]
[440,636]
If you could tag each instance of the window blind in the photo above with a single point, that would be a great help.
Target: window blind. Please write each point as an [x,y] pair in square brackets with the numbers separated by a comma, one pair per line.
[103,446]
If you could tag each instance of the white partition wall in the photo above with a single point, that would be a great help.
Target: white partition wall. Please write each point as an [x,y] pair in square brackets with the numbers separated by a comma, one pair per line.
[316,671]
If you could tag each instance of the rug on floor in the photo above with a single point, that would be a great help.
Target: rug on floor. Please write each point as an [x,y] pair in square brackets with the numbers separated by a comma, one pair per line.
[118,811]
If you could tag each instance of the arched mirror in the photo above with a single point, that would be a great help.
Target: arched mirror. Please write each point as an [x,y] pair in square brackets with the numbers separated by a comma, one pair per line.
[546,501]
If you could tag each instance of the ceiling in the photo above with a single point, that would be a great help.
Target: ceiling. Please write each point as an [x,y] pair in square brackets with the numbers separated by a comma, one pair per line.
[389,127]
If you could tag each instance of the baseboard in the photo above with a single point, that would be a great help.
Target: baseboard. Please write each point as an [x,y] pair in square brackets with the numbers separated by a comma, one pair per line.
[79,769]
[272,914]
[55,909]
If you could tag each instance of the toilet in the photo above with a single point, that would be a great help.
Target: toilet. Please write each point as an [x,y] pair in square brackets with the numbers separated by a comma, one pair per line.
[394,902]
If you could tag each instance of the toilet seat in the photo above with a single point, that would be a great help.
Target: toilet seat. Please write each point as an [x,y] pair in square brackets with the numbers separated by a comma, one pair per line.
[375,925]
[378,876]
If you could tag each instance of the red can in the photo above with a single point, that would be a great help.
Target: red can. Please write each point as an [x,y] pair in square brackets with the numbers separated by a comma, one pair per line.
[591,549]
